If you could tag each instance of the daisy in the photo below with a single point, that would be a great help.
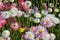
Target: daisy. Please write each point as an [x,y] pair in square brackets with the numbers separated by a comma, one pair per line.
[56,10]
[5,14]
[29,35]
[28,3]
[5,1]
[51,5]
[44,12]
[56,20]
[11,0]
[1,38]
[31,18]
[14,26]
[5,33]
[52,36]
[26,15]
[37,15]
[36,20]
[20,13]
[50,10]
[31,11]
[59,15]
[13,12]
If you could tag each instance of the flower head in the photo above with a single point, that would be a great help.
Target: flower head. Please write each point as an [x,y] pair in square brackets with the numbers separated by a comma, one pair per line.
[14,26]
[21,30]
[28,3]
[5,33]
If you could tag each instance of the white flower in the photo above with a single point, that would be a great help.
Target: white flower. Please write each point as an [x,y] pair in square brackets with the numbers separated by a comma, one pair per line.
[49,9]
[51,5]
[59,15]
[29,35]
[56,10]
[13,12]
[1,38]
[52,36]
[37,15]
[20,13]
[31,18]
[26,15]
[36,20]
[11,0]
[56,20]
[47,37]
[5,14]
[31,11]
[37,39]
[5,33]
[28,3]
[44,12]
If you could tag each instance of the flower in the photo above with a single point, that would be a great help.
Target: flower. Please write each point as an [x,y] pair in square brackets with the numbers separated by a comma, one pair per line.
[31,18]
[1,5]
[37,15]
[45,6]
[21,30]
[5,1]
[28,3]
[56,10]
[47,22]
[5,14]
[26,15]
[13,12]
[59,15]
[14,4]
[20,13]
[1,38]
[51,5]
[31,11]
[56,21]
[49,9]
[44,12]
[14,26]
[25,8]
[40,32]
[5,33]
[47,37]
[35,8]
[29,35]
[36,20]
[11,0]
[52,36]
[2,22]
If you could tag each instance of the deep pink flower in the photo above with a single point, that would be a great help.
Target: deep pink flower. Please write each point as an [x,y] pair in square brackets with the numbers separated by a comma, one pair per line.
[25,8]
[14,26]
[2,22]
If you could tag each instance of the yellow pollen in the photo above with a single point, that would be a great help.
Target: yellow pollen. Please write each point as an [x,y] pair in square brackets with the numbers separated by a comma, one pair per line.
[47,20]
[40,31]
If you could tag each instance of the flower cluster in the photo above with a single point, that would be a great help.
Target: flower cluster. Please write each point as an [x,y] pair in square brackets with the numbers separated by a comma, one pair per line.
[45,19]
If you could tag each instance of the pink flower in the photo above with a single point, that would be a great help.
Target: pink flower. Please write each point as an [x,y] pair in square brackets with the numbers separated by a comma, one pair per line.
[14,4]
[14,26]
[47,22]
[1,5]
[36,8]
[25,8]
[45,6]
[39,32]
[2,22]
[22,4]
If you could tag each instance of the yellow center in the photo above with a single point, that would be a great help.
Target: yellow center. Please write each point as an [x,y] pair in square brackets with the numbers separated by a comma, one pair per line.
[29,35]
[47,20]
[4,32]
[40,31]
[12,12]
